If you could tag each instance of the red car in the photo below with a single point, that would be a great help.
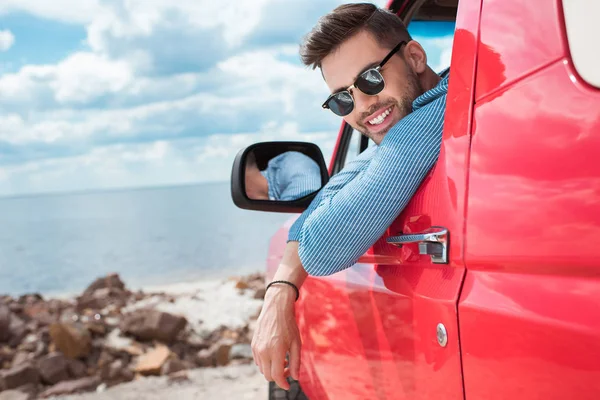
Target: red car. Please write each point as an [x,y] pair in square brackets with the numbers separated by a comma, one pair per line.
[508,304]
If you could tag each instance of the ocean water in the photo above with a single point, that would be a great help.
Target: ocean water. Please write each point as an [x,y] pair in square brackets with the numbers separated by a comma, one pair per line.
[54,244]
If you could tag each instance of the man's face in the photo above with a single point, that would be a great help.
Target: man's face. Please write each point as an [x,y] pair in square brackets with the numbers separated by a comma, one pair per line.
[402,86]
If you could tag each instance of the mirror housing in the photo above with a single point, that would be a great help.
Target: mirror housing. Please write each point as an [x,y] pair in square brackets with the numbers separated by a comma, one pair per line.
[262,153]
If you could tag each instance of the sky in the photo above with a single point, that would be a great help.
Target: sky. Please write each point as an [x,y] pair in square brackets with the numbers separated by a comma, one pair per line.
[103,94]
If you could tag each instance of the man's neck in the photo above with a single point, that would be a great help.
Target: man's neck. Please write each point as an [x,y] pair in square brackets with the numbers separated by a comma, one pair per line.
[429,79]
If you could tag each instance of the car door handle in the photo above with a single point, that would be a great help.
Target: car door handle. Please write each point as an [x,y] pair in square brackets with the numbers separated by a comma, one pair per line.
[433,242]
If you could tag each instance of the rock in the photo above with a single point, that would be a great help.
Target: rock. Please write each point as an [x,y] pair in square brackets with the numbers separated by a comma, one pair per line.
[15,395]
[127,375]
[260,293]
[72,340]
[113,371]
[215,356]
[152,362]
[153,325]
[77,369]
[18,330]
[5,318]
[21,357]
[117,372]
[173,365]
[29,343]
[72,386]
[241,285]
[179,376]
[105,359]
[241,350]
[16,308]
[30,298]
[6,356]
[102,298]
[198,341]
[54,368]
[40,349]
[110,281]
[40,313]
[96,327]
[19,375]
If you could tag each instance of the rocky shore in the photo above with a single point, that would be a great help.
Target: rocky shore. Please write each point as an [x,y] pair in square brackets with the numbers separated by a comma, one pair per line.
[109,335]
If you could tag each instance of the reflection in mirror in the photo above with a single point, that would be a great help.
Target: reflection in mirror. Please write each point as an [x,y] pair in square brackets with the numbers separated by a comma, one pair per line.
[287,176]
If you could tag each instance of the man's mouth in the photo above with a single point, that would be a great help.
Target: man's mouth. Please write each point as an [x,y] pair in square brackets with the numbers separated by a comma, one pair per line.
[378,120]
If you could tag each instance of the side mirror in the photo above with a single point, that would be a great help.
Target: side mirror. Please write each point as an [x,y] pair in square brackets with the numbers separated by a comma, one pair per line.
[278,176]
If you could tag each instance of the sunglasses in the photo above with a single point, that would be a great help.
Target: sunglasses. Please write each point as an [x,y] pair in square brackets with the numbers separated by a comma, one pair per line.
[369,82]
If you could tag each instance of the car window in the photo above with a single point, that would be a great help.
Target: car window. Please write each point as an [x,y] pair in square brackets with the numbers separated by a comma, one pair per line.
[436,38]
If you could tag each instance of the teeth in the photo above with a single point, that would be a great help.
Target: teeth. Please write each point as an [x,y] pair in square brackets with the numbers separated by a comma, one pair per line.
[379,119]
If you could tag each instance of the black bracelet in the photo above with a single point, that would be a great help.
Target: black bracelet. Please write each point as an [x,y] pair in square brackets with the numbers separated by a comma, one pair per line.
[287,283]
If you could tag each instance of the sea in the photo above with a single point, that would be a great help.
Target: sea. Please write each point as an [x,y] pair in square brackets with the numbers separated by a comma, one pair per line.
[59,243]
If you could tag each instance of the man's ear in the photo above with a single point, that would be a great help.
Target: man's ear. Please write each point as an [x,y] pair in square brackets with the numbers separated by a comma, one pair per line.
[415,56]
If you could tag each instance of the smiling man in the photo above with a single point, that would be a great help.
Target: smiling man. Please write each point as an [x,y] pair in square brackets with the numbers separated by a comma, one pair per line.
[382,86]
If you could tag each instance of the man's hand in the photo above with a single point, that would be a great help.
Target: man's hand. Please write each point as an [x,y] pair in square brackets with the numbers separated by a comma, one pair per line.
[276,332]
[277,335]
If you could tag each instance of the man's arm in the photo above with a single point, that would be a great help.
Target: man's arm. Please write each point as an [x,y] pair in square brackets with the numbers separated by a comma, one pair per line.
[338,181]
[276,331]
[343,224]
[300,176]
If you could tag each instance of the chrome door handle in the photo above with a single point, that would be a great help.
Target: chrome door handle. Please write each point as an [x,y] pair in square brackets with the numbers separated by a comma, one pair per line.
[433,242]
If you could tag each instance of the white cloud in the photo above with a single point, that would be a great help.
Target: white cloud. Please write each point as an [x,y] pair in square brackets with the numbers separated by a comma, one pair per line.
[85,76]
[7,39]
[81,11]
[157,72]
[80,78]
[160,162]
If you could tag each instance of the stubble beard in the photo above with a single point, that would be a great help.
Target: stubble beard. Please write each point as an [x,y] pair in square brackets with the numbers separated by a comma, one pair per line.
[412,90]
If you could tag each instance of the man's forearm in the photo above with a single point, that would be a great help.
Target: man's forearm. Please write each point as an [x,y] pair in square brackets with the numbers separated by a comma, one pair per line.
[346,224]
[291,270]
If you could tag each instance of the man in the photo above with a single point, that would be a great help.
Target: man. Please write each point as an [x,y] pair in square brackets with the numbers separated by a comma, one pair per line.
[383,87]
[288,176]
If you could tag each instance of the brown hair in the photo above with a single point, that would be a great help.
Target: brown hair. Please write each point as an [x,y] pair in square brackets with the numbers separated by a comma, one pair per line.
[345,21]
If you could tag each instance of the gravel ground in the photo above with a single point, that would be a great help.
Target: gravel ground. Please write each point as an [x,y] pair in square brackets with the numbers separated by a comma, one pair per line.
[226,383]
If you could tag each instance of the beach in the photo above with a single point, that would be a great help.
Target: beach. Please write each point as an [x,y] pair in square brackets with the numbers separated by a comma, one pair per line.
[188,340]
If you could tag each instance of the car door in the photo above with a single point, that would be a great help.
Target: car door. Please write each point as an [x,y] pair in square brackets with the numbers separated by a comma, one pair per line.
[387,327]
[530,307]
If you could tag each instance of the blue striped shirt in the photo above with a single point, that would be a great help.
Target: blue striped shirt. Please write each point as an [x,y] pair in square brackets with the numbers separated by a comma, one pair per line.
[359,203]
[292,175]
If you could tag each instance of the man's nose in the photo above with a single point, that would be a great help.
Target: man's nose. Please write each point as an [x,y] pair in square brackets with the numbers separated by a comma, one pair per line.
[363,102]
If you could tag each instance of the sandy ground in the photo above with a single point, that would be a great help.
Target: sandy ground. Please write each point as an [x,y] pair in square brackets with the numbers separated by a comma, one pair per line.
[206,305]
[242,382]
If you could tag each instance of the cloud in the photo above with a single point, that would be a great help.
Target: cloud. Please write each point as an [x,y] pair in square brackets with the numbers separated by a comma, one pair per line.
[160,162]
[161,93]
[143,109]
[7,39]
[69,11]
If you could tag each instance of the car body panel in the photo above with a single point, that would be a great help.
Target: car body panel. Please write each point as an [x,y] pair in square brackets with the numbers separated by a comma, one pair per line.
[530,308]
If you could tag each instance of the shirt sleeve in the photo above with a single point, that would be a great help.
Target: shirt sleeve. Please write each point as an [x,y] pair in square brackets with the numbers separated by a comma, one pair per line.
[343,223]
[338,181]
[300,176]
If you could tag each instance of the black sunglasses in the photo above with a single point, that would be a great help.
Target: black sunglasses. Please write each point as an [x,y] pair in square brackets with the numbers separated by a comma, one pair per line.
[369,82]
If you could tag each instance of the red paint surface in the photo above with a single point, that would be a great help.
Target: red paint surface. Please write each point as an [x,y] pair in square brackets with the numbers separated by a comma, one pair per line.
[524,274]
[530,309]
[517,37]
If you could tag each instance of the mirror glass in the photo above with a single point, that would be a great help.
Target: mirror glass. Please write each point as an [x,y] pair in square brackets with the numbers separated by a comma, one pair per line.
[285,177]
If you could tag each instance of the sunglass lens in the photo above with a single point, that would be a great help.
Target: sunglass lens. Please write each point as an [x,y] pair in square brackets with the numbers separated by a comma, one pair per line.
[341,104]
[370,82]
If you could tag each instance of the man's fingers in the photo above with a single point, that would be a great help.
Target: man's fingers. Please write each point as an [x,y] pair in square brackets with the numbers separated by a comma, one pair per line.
[277,366]
[295,359]
[256,359]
